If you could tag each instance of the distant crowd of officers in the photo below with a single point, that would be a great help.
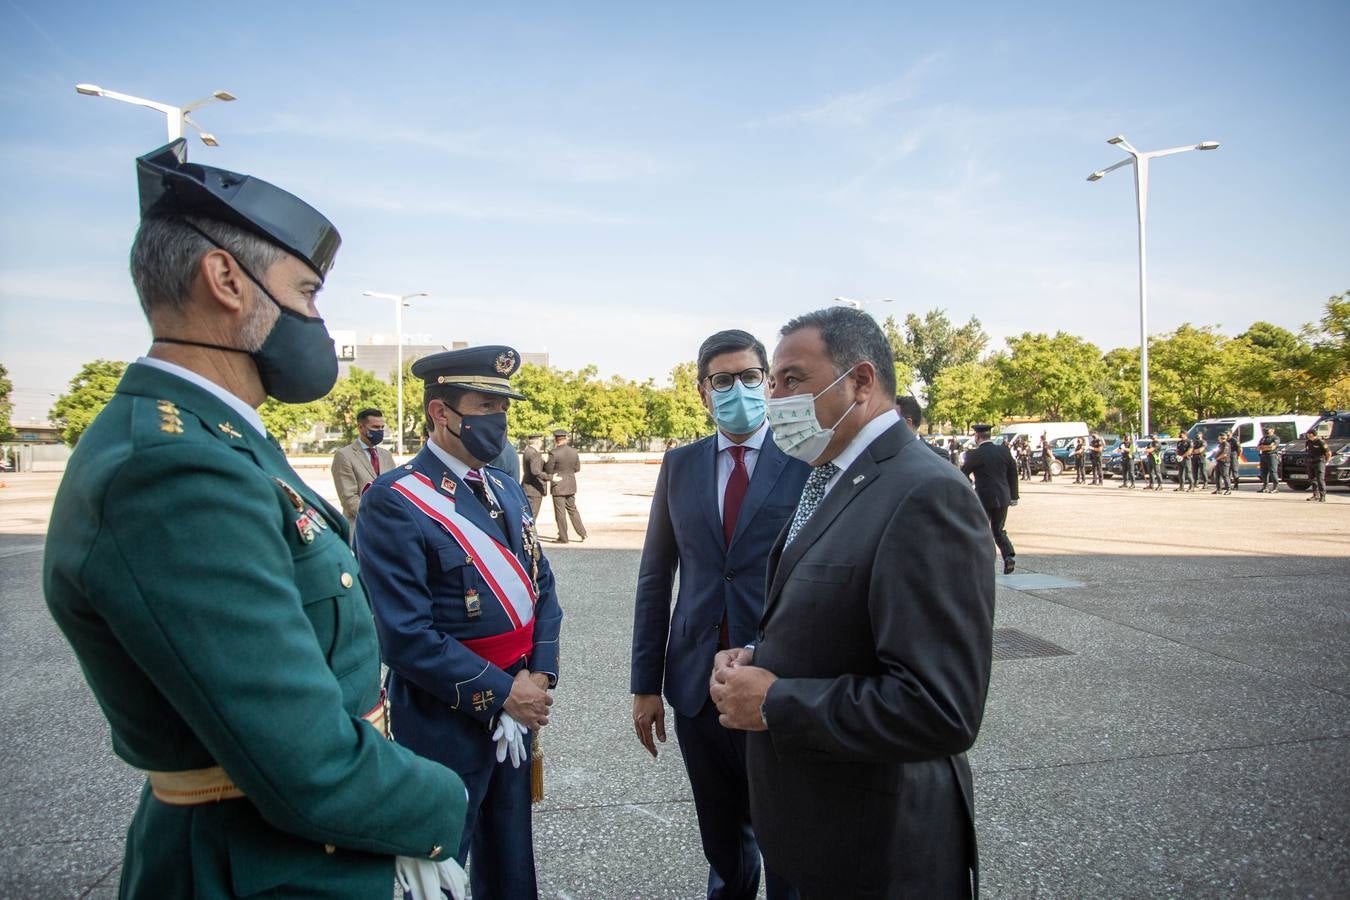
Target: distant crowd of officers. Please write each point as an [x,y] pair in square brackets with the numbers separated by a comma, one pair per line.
[1194,469]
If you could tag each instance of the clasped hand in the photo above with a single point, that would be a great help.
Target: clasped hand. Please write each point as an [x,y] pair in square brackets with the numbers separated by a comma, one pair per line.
[529,700]
[738,688]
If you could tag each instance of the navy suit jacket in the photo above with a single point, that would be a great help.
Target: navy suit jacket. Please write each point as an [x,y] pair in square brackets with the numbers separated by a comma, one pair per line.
[684,534]
[418,578]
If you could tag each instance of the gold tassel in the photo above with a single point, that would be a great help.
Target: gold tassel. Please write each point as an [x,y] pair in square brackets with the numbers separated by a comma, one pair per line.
[537,772]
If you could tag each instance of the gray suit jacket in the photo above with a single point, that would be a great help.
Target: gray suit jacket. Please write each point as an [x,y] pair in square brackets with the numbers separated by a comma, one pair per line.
[879,623]
[352,472]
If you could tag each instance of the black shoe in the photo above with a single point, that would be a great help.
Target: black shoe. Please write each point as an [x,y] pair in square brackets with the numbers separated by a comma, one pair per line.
[1008,565]
[1312,498]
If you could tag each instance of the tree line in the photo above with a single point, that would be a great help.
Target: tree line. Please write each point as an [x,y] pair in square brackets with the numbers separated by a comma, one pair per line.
[1195,372]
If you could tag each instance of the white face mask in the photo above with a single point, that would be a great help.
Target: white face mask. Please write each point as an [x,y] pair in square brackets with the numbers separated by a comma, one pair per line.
[796,430]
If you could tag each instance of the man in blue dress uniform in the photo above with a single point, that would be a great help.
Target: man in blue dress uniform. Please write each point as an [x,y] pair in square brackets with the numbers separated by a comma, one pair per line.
[466,609]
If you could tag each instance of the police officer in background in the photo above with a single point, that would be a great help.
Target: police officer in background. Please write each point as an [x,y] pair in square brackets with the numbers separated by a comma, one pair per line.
[1269,448]
[562,468]
[908,408]
[1023,450]
[1318,454]
[1095,447]
[1047,457]
[1079,459]
[467,611]
[1183,451]
[1222,458]
[532,475]
[1127,461]
[1153,464]
[1198,450]
[210,595]
[1234,458]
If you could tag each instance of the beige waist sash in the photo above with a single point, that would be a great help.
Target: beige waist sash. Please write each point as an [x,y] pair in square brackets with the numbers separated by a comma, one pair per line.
[191,787]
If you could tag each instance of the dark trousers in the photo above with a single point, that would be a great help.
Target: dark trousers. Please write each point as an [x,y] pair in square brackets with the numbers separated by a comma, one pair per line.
[1270,476]
[565,507]
[1078,470]
[1153,472]
[1233,462]
[714,757]
[1127,471]
[1198,471]
[1184,476]
[1097,468]
[1317,475]
[1221,482]
[1024,467]
[536,500]
[998,517]
[1045,461]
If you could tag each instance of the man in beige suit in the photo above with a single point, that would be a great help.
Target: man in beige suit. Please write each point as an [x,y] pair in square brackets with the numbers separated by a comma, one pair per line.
[356,465]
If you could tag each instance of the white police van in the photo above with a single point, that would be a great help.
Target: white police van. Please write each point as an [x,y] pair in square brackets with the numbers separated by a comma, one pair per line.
[1249,430]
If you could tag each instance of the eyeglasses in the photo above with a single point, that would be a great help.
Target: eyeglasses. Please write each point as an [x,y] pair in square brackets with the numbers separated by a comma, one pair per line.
[723,381]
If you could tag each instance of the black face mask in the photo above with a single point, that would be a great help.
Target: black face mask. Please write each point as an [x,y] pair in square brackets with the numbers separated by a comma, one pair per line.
[297,361]
[482,436]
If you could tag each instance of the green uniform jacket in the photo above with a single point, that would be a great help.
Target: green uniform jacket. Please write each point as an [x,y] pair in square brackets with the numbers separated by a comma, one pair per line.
[213,633]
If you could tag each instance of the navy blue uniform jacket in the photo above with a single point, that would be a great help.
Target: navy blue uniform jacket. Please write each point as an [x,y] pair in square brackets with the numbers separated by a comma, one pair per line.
[418,578]
[684,533]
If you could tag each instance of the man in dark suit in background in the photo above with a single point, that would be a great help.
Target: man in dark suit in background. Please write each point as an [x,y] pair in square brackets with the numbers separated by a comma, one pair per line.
[532,478]
[912,413]
[562,468]
[995,476]
[719,505]
[867,680]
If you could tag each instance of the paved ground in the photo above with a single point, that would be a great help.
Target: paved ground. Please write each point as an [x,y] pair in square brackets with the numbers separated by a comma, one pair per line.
[1193,741]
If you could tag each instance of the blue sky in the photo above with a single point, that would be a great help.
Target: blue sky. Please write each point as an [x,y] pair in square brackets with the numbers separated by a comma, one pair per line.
[611,182]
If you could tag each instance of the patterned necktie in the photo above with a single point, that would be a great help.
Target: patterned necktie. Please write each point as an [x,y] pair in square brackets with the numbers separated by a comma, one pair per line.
[735,492]
[812,493]
[374,459]
[474,479]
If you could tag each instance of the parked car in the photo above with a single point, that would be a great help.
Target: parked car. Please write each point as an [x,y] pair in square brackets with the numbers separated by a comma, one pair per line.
[1332,427]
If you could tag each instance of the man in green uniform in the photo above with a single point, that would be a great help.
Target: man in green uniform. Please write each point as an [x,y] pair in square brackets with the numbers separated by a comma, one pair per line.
[1318,454]
[210,595]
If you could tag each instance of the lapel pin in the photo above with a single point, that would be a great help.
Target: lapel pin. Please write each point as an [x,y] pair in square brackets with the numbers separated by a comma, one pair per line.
[859,479]
[447,485]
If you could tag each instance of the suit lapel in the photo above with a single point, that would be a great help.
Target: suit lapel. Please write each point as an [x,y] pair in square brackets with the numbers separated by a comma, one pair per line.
[512,511]
[362,461]
[454,487]
[767,469]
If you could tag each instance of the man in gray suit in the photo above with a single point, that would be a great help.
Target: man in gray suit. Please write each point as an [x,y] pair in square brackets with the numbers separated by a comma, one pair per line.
[562,468]
[356,465]
[867,678]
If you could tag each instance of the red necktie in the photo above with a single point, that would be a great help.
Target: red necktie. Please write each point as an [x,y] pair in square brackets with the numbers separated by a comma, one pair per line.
[374,459]
[735,493]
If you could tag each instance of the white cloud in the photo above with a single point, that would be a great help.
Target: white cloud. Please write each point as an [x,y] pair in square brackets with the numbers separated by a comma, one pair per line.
[857,108]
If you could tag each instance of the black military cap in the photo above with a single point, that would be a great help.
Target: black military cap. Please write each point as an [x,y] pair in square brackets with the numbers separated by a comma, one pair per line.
[982,429]
[170,185]
[560,432]
[483,369]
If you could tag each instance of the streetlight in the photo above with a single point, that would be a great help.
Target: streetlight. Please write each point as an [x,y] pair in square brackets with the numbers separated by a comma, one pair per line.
[400,301]
[175,116]
[859,304]
[1139,159]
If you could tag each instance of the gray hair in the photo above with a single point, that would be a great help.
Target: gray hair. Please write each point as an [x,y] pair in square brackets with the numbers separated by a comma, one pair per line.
[166,252]
[850,336]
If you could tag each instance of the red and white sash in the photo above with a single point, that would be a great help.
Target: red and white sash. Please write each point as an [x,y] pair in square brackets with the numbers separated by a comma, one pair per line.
[498,566]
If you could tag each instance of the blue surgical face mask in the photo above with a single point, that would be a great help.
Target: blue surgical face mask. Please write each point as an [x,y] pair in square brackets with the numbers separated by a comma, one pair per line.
[739,409]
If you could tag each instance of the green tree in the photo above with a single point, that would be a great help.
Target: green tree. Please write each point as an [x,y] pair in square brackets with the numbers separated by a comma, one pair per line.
[963,395]
[552,398]
[676,411]
[904,361]
[933,343]
[1328,368]
[354,393]
[612,411]
[1120,387]
[288,421]
[6,406]
[1197,373]
[1055,378]
[89,392]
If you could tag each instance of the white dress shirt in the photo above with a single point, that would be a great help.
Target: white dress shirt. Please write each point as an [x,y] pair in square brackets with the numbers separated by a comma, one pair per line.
[869,433]
[726,462]
[246,412]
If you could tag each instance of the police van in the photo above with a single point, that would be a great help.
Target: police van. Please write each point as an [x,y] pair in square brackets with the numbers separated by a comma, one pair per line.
[1249,430]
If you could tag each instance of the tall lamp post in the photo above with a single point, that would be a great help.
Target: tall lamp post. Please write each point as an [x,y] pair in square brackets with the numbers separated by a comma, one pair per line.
[1140,159]
[400,301]
[175,116]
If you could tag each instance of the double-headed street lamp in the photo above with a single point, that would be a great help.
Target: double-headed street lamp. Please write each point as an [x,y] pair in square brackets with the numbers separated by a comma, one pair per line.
[859,304]
[1140,160]
[400,301]
[175,116]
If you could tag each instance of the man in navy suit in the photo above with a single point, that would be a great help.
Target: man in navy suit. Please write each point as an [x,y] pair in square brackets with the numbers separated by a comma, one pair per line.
[466,610]
[719,505]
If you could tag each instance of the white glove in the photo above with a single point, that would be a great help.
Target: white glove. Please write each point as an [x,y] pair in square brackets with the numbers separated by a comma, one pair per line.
[510,738]
[422,879]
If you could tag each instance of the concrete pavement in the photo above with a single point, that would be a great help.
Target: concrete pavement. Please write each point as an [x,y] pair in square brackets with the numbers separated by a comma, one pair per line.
[1190,740]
